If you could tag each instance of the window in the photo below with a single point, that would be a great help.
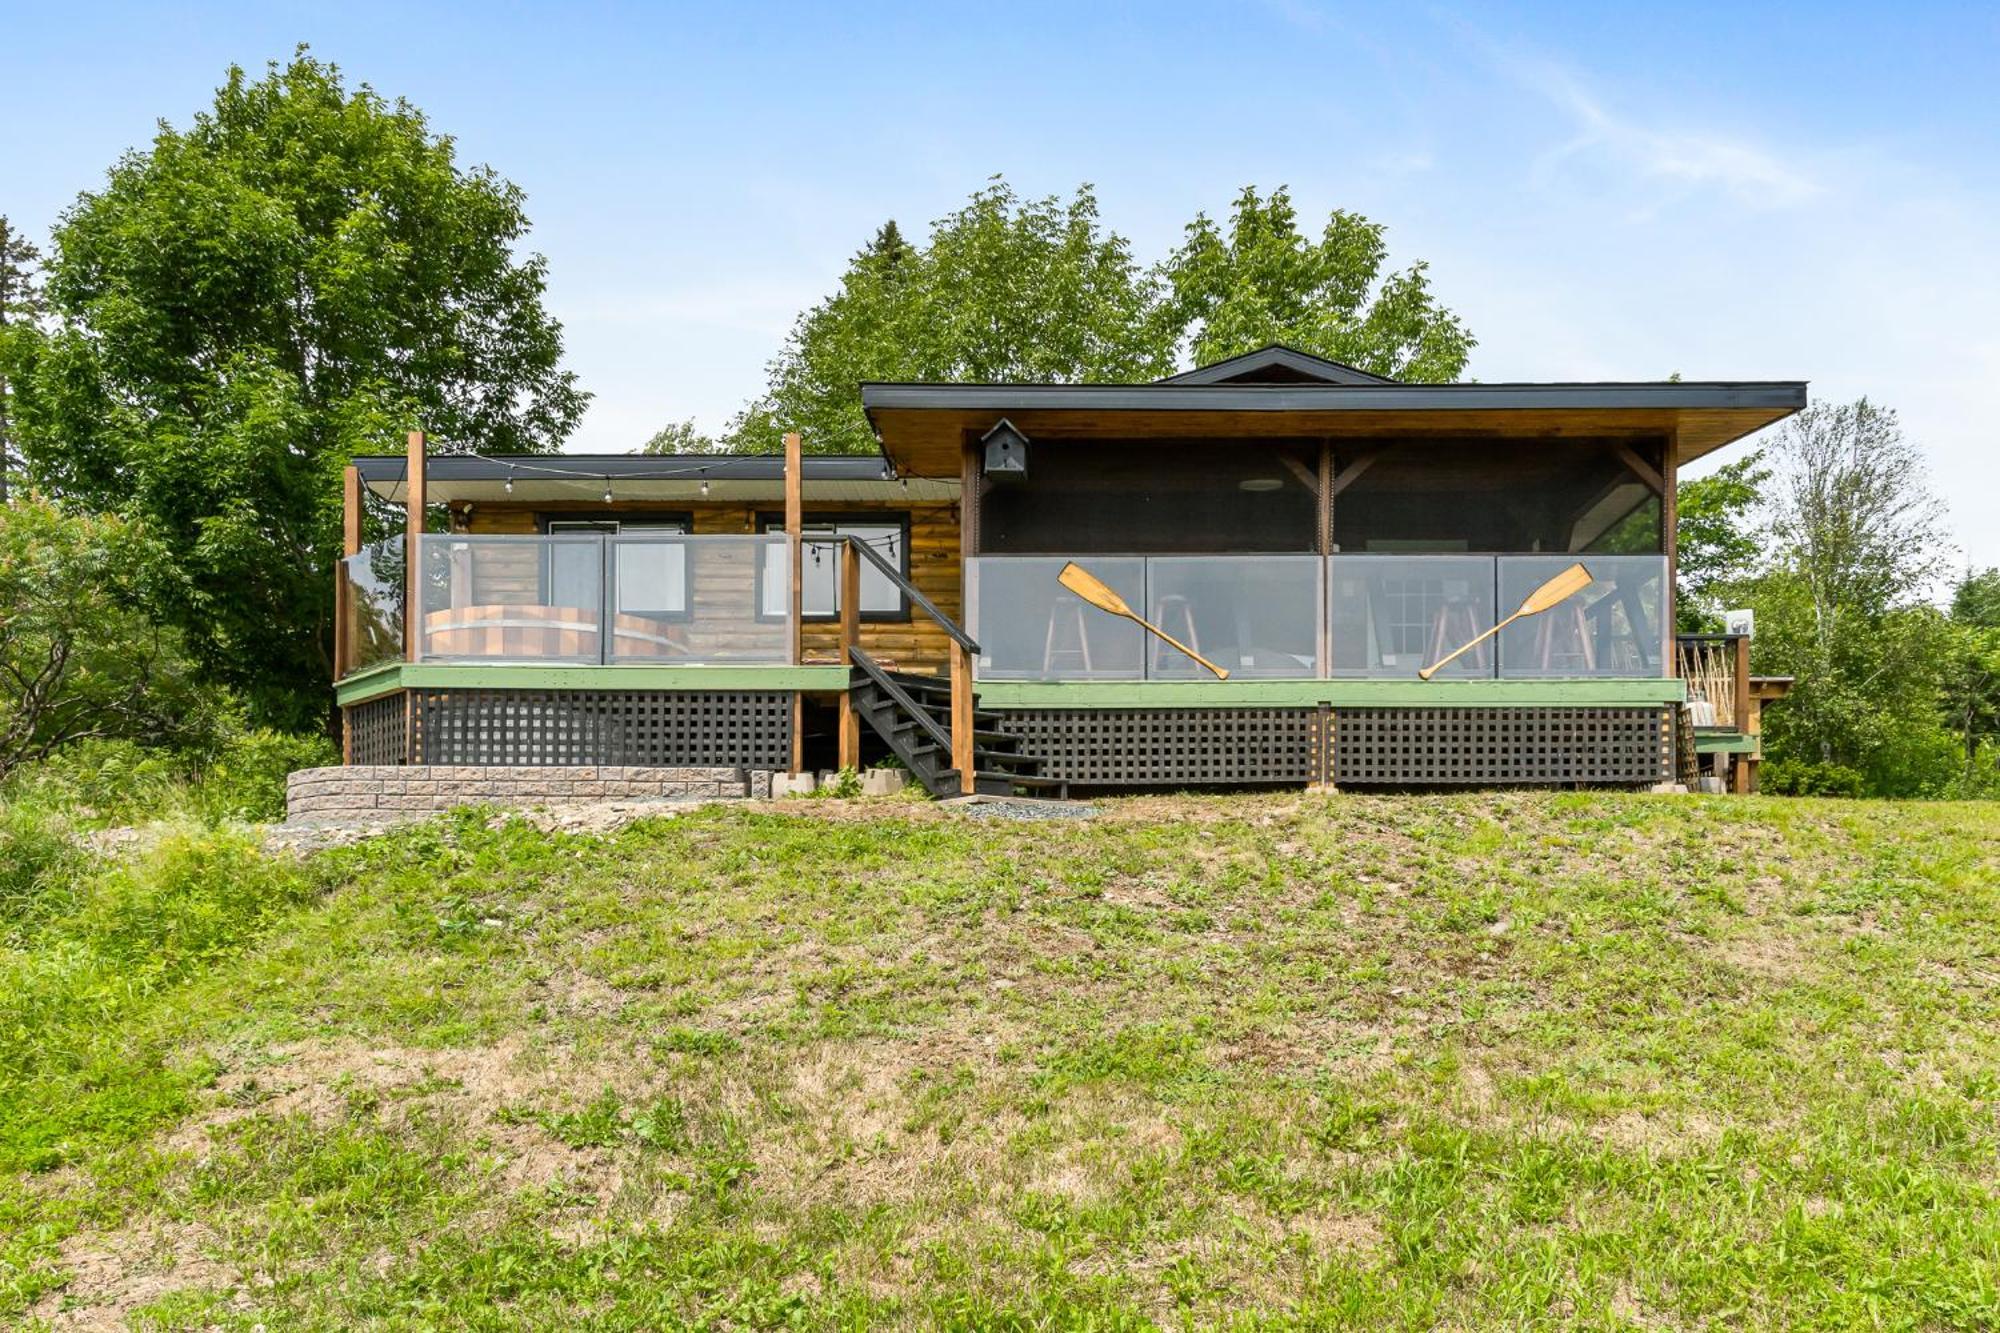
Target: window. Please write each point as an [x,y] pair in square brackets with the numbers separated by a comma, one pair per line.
[881,599]
[648,578]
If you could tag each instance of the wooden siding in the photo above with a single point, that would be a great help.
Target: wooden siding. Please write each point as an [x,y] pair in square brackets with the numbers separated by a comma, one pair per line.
[915,645]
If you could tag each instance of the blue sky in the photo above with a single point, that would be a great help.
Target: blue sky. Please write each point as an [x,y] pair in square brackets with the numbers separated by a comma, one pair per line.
[1726,191]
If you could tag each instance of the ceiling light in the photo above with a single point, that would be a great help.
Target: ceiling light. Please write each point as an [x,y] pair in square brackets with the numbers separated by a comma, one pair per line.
[1259,485]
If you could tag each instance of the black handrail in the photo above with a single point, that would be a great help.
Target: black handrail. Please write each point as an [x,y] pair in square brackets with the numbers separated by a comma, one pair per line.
[887,683]
[950,626]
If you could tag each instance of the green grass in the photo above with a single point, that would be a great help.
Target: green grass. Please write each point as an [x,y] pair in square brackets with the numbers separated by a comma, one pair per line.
[1587,1061]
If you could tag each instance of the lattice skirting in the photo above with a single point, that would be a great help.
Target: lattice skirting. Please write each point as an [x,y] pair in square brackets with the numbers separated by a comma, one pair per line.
[1502,746]
[675,728]
[378,731]
[1168,747]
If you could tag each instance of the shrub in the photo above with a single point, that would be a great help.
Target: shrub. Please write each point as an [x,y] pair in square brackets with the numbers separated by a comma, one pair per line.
[1798,777]
[246,779]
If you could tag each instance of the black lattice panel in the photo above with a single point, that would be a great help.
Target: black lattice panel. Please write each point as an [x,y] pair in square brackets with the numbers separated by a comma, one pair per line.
[1423,747]
[377,731]
[1171,747]
[659,728]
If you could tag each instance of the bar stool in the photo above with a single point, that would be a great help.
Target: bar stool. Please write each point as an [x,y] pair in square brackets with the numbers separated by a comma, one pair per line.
[1567,621]
[1065,622]
[1172,605]
[1453,623]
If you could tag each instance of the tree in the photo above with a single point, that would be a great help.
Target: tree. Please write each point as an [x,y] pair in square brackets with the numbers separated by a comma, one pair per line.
[1009,290]
[1858,542]
[20,306]
[1717,540]
[1264,282]
[1976,599]
[1006,290]
[297,277]
[79,657]
[679,437]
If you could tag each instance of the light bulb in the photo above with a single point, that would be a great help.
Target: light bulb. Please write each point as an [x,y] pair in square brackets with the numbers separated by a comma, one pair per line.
[510,483]
[607,490]
[704,484]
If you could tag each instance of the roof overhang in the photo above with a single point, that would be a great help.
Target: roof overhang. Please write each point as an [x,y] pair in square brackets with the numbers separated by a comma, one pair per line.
[924,427]
[580,480]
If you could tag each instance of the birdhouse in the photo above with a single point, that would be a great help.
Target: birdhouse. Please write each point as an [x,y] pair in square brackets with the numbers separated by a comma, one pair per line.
[1006,452]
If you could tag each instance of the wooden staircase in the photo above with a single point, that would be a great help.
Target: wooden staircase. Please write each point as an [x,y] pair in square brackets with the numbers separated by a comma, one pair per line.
[912,715]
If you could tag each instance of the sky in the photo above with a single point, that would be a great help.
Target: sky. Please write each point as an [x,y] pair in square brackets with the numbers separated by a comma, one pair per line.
[1602,192]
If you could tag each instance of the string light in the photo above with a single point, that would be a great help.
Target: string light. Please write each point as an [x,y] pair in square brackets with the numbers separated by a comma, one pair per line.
[510,481]
[704,481]
[607,490]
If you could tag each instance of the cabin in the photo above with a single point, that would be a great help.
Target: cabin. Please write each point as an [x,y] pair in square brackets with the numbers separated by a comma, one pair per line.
[1272,570]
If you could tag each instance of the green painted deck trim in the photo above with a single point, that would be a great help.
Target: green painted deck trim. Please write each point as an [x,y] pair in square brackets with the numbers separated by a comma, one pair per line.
[1619,692]
[474,676]
[1724,742]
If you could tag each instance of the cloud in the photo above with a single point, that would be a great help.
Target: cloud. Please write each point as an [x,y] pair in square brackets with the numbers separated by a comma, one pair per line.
[1676,159]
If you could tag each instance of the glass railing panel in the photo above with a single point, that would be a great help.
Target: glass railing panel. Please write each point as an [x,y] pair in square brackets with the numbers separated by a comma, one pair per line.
[375,592]
[1616,626]
[507,598]
[1255,616]
[690,601]
[1030,627]
[1390,615]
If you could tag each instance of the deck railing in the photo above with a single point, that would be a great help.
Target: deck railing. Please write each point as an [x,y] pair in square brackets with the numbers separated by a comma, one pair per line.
[370,602]
[1347,616]
[602,598]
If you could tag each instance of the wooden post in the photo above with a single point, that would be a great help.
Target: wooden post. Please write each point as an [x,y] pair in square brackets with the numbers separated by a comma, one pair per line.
[350,544]
[794,541]
[962,757]
[1323,641]
[1670,518]
[1739,688]
[413,563]
[850,635]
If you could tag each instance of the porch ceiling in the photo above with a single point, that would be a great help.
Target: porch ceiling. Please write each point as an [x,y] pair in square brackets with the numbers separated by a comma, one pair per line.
[924,427]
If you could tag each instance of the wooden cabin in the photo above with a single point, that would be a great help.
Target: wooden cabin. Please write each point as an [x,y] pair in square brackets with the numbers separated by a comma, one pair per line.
[1303,549]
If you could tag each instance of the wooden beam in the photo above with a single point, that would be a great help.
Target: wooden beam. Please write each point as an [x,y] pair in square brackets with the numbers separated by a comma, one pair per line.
[413,564]
[850,635]
[1350,474]
[795,540]
[1646,471]
[1308,477]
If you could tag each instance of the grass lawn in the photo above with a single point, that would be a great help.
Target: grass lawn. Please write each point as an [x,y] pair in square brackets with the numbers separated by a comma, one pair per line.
[1594,1061]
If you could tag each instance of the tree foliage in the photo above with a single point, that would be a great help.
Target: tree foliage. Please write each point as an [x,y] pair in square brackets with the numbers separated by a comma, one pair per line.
[21,305]
[1007,289]
[679,437]
[1717,544]
[1263,281]
[79,656]
[298,276]
[1039,290]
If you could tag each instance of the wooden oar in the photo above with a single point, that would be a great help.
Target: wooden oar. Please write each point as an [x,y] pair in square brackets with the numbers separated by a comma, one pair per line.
[1095,591]
[1556,591]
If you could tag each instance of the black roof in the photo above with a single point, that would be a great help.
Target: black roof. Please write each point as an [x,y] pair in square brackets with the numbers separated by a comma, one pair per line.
[628,467]
[1276,363]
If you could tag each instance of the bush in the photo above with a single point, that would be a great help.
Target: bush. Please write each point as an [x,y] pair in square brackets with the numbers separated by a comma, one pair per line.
[1797,777]
[38,865]
[246,779]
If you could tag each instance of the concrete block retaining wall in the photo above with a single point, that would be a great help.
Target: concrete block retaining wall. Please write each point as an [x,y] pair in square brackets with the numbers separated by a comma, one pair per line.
[364,792]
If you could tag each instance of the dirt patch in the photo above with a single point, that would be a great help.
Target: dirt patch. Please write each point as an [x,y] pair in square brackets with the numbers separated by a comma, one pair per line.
[112,1275]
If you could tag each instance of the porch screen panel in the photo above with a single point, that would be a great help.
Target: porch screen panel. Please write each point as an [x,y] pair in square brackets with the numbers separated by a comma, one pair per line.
[1496,495]
[1615,627]
[1166,497]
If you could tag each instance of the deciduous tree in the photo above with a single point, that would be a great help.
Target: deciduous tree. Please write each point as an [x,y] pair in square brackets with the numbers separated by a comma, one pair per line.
[296,277]
[1262,280]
